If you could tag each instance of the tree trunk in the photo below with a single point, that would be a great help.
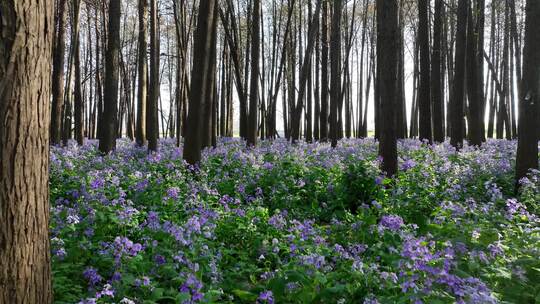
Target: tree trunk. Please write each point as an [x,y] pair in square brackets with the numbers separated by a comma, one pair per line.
[58,74]
[424,94]
[107,141]
[152,122]
[387,62]
[254,83]
[324,72]
[199,74]
[26,40]
[437,88]
[529,107]
[78,99]
[335,73]
[457,129]
[142,90]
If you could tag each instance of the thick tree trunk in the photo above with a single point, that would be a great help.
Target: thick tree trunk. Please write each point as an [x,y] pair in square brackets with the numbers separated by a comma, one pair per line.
[199,74]
[107,141]
[387,62]
[26,39]
[437,86]
[457,103]
[529,107]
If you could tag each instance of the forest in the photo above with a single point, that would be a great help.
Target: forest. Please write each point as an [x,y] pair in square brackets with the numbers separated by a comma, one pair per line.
[269,151]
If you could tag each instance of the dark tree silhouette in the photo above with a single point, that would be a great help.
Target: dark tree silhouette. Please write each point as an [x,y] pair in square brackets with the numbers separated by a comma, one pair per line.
[529,124]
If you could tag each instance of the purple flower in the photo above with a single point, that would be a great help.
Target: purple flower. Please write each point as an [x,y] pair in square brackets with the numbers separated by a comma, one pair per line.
[152,221]
[392,222]
[160,260]
[92,276]
[266,297]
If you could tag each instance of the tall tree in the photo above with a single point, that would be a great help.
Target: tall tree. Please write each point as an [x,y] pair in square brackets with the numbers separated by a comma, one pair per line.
[529,105]
[475,83]
[142,90]
[335,70]
[254,84]
[424,94]
[324,71]
[77,89]
[26,39]
[152,123]
[387,63]
[58,73]
[458,95]
[198,92]
[437,86]
[107,141]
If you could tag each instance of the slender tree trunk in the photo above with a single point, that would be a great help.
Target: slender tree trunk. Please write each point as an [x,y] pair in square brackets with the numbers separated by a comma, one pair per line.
[142,88]
[324,71]
[26,40]
[152,122]
[58,74]
[254,84]
[335,63]
[78,98]
[424,97]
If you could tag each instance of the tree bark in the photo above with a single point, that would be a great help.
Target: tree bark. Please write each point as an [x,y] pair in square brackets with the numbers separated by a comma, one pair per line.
[199,74]
[387,62]
[142,89]
[424,94]
[437,88]
[529,107]
[107,141]
[335,73]
[457,129]
[26,40]
[254,83]
[152,122]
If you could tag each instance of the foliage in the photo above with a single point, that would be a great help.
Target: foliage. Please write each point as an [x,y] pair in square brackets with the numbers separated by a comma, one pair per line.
[293,224]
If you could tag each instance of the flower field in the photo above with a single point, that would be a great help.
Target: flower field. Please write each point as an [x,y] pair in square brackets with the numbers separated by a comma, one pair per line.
[286,223]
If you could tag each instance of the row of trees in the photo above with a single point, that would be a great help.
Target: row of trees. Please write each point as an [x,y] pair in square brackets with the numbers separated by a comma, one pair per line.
[306,68]
[312,72]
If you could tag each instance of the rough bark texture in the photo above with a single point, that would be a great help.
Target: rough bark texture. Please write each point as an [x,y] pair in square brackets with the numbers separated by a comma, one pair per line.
[387,62]
[529,106]
[26,36]
[107,141]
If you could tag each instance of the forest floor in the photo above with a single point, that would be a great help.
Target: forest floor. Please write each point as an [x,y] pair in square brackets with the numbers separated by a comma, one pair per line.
[293,224]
